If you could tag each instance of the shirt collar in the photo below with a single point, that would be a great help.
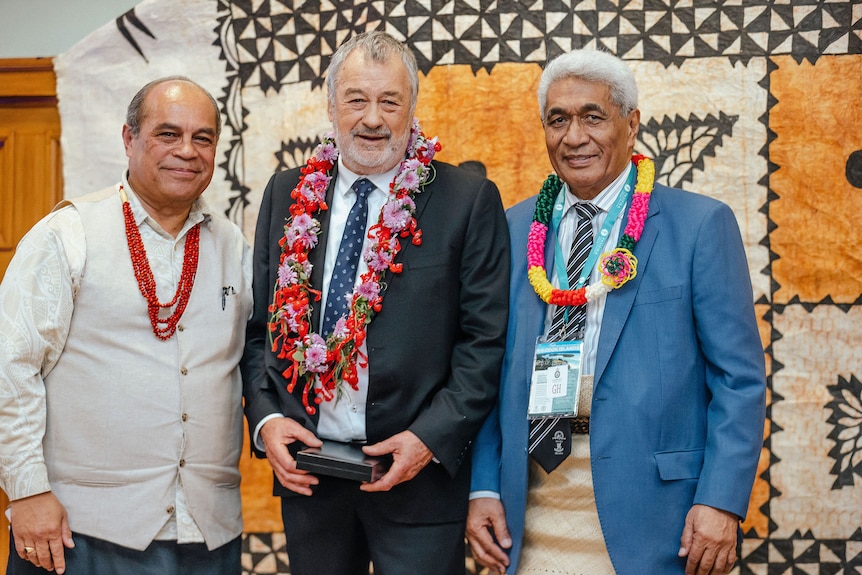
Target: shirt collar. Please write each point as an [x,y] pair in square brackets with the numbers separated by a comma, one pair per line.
[606,197]
[380,181]
[200,211]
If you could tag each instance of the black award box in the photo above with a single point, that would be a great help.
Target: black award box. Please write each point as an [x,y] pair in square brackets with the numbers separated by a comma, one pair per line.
[345,460]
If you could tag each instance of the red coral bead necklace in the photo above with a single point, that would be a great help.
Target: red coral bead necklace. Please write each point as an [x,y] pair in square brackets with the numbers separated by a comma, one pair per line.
[163,328]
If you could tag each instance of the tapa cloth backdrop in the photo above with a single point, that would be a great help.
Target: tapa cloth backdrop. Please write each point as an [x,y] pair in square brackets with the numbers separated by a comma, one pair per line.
[754,103]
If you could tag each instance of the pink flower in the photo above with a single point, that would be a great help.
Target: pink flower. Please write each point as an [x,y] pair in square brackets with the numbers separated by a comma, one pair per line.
[378,260]
[313,186]
[430,151]
[286,274]
[315,354]
[304,229]
[409,180]
[327,152]
[397,214]
[340,329]
[368,290]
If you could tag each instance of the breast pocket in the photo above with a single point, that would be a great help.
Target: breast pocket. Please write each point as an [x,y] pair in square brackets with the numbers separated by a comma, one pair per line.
[418,261]
[659,295]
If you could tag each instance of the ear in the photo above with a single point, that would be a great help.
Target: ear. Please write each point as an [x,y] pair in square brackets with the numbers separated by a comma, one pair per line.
[127,139]
[634,122]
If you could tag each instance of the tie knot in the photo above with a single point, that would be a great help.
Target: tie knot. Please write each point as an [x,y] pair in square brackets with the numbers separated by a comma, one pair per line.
[362,187]
[586,210]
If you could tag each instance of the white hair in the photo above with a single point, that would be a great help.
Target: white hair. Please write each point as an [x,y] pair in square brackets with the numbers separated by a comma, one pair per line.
[592,66]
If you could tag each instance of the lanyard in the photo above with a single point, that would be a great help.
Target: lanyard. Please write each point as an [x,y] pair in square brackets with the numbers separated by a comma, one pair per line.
[598,245]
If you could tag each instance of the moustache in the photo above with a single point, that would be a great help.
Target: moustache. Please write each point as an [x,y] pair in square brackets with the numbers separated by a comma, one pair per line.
[371,133]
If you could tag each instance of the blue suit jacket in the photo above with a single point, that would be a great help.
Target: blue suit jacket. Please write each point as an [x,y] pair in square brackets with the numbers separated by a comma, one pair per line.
[679,394]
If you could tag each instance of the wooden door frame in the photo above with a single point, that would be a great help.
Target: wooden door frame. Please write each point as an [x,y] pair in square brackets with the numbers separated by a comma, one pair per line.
[28,81]
[24,83]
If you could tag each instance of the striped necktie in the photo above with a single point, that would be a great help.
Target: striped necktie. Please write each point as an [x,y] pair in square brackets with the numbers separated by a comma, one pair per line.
[550,440]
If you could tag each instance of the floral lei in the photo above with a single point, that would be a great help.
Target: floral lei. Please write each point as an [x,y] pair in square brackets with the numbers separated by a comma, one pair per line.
[325,363]
[616,266]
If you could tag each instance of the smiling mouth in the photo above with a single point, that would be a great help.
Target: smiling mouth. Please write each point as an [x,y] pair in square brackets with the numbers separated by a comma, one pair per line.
[372,137]
[183,171]
[578,159]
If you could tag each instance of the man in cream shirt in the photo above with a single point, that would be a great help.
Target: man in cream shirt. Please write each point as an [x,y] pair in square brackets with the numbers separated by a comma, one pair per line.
[122,321]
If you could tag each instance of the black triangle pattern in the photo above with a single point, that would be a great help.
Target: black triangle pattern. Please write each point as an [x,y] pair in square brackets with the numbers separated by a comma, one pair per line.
[287,41]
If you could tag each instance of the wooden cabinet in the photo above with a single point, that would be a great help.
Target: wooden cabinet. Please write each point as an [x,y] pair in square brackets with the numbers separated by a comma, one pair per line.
[31,173]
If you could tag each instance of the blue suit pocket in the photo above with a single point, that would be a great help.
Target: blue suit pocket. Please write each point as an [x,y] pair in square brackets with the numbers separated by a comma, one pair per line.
[673,465]
[658,295]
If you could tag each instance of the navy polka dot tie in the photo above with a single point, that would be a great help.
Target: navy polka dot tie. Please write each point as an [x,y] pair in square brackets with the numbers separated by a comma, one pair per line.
[344,272]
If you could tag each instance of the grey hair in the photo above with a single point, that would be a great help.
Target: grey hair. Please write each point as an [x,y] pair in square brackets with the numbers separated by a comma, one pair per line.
[592,66]
[135,111]
[378,47]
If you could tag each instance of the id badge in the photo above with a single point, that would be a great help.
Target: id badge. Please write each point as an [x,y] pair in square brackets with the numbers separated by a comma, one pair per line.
[554,385]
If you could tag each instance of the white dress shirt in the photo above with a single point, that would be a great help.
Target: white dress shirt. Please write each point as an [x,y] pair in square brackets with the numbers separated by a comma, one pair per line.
[343,419]
[566,235]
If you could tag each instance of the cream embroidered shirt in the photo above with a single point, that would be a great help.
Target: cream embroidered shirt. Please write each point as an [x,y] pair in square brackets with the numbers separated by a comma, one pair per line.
[36,302]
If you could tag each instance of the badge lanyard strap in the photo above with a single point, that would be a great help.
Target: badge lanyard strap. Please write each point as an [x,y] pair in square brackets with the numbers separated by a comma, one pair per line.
[598,245]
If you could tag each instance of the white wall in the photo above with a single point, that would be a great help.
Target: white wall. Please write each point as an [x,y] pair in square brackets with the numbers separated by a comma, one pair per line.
[31,28]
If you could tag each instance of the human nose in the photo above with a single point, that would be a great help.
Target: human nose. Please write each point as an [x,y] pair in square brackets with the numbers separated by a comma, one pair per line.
[186,148]
[576,134]
[373,117]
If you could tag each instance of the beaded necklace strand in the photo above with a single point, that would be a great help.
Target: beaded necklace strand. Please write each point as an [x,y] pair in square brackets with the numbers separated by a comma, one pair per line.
[162,328]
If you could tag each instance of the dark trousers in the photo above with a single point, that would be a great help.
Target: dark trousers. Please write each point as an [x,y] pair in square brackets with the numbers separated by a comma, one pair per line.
[340,530]
[92,556]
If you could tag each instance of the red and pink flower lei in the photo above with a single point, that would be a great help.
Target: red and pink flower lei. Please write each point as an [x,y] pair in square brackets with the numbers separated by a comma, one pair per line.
[326,363]
[616,266]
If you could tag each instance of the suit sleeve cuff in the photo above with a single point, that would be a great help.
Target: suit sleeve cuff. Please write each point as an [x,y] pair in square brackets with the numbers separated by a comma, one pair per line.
[258,444]
[484,493]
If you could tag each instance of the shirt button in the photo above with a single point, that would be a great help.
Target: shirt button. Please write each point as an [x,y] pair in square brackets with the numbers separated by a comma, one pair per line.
[184,371]
[170,509]
[185,417]
[182,462]
[181,327]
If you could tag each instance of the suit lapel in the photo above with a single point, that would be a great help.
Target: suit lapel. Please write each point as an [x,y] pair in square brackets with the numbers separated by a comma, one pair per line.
[619,303]
[532,310]
[421,199]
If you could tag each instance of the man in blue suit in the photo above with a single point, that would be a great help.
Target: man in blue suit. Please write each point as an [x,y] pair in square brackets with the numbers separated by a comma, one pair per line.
[664,453]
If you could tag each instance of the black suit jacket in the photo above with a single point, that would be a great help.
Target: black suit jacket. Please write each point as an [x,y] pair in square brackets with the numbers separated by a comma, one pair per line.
[435,348]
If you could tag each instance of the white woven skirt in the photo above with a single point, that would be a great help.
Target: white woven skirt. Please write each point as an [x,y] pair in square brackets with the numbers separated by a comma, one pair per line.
[562,535]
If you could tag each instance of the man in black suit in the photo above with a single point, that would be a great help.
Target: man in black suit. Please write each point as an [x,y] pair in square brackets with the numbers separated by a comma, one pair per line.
[411,367]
